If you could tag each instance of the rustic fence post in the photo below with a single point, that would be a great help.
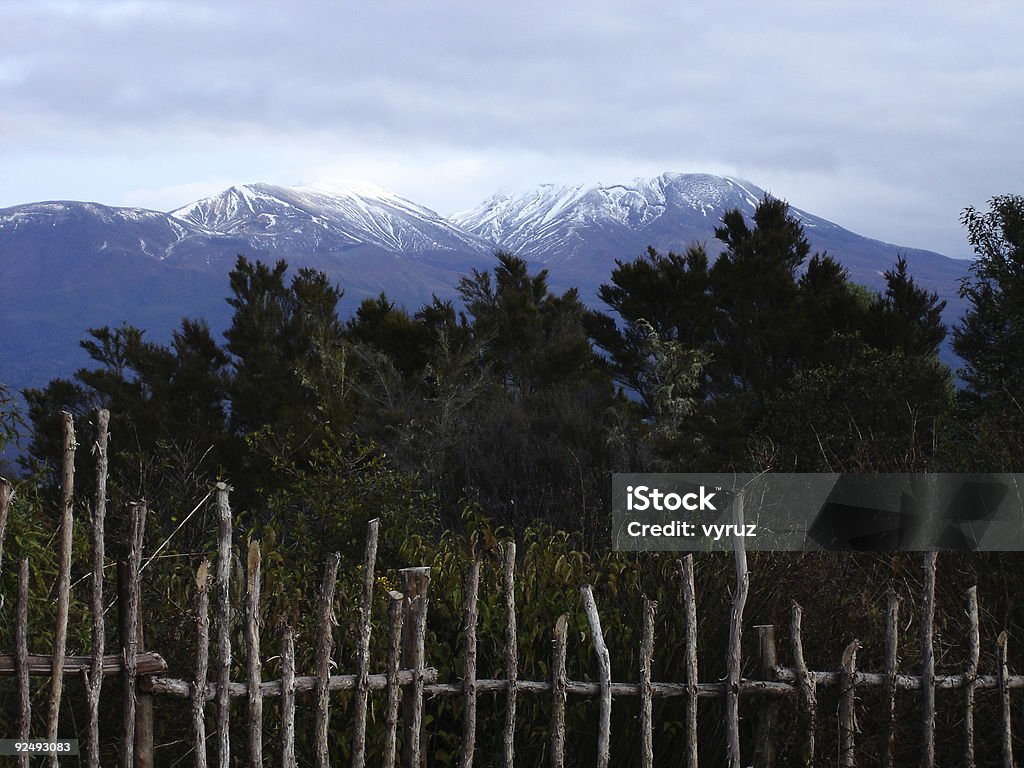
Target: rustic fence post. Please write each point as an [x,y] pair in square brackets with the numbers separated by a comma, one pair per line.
[807,686]
[1002,668]
[135,752]
[223,625]
[145,736]
[416,586]
[511,654]
[732,690]
[605,671]
[558,685]
[848,706]
[892,629]
[63,582]
[646,659]
[324,649]
[764,748]
[971,676]
[363,650]
[99,512]
[690,604]
[287,697]
[254,674]
[469,666]
[928,660]
[21,660]
[199,683]
[396,602]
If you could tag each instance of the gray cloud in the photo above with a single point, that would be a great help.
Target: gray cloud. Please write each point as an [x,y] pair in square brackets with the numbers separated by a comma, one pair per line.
[888,119]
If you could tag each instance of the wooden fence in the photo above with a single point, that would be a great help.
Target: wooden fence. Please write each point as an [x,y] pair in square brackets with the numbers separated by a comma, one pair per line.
[408,679]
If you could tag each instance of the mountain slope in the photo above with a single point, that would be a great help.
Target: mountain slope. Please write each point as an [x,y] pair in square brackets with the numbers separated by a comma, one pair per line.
[559,222]
[326,217]
[67,266]
[579,231]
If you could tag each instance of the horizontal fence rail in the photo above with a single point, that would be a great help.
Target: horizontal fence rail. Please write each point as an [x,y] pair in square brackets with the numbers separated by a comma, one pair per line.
[409,681]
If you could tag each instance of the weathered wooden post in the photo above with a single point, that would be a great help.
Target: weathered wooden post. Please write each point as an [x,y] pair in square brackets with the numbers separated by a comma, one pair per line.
[1002,668]
[363,651]
[646,702]
[469,666]
[394,690]
[734,660]
[324,650]
[558,685]
[138,700]
[223,613]
[416,587]
[604,664]
[971,681]
[21,660]
[764,749]
[511,655]
[199,684]
[99,512]
[253,666]
[690,602]
[848,706]
[63,582]
[806,686]
[287,697]
[928,661]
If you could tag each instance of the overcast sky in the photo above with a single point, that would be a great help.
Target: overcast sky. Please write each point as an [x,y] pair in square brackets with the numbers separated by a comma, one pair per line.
[887,118]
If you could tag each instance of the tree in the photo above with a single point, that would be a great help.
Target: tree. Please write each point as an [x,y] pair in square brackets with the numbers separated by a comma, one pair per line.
[667,295]
[755,287]
[534,338]
[907,317]
[533,445]
[281,336]
[11,425]
[990,339]
[167,406]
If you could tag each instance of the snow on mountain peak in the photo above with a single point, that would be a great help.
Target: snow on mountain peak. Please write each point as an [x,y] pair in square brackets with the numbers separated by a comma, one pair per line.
[348,187]
[550,215]
[319,215]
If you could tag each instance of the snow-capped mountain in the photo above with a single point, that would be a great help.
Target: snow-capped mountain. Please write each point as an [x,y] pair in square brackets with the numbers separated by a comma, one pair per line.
[555,221]
[578,231]
[68,266]
[328,217]
[95,229]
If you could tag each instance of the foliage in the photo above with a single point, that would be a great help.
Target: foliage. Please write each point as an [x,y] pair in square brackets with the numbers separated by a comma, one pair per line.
[462,428]
[756,339]
[12,426]
[990,338]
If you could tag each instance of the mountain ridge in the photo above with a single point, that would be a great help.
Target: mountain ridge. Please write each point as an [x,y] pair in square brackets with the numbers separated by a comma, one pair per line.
[70,265]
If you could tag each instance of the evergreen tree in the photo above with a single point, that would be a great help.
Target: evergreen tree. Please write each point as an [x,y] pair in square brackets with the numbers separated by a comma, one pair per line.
[755,287]
[280,339]
[990,338]
[534,338]
[533,448]
[665,295]
[907,317]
